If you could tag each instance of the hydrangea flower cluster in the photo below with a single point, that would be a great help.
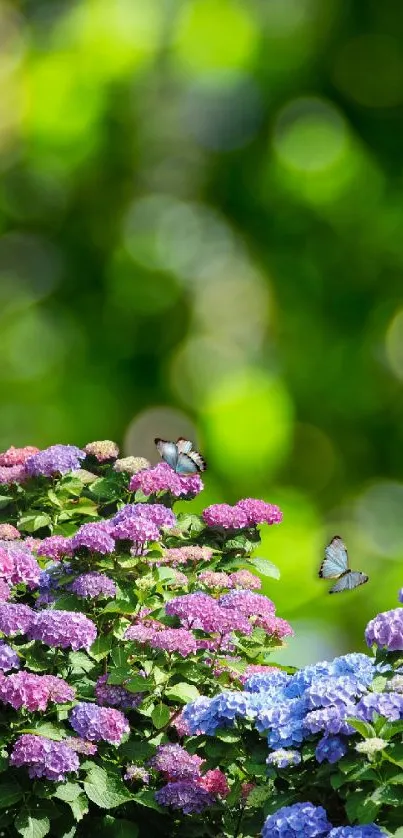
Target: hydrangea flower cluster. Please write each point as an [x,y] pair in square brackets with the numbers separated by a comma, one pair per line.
[175,556]
[386,630]
[98,723]
[57,459]
[301,819]
[17,456]
[24,689]
[115,696]
[162,479]
[8,532]
[44,757]
[92,585]
[63,629]
[15,618]
[245,513]
[131,465]
[96,537]
[8,657]
[103,450]
[56,547]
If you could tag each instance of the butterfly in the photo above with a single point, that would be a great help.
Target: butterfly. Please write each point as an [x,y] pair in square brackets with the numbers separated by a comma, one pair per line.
[180,456]
[335,566]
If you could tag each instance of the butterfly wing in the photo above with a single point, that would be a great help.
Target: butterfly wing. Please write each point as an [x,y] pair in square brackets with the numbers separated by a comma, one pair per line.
[185,465]
[350,580]
[335,562]
[185,447]
[168,451]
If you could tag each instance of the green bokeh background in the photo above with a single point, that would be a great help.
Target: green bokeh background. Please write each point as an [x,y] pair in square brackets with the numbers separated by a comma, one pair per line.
[201,227]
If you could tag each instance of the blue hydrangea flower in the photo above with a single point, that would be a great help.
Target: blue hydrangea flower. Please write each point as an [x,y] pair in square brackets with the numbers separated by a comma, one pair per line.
[330,749]
[302,820]
[270,682]
[330,720]
[370,830]
[285,723]
[342,689]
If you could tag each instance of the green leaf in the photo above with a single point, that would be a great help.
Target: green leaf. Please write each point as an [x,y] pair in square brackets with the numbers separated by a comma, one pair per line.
[229,736]
[258,796]
[366,730]
[190,523]
[4,501]
[182,692]
[378,684]
[101,648]
[31,523]
[160,716]
[119,656]
[146,797]
[137,684]
[47,729]
[118,675]
[265,568]
[361,808]
[30,826]
[79,807]
[118,828]
[391,729]
[106,790]
[80,662]
[10,793]
[68,792]
[385,795]
[119,606]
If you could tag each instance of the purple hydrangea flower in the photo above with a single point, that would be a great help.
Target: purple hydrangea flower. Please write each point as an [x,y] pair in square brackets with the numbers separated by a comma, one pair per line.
[260,512]
[386,630]
[63,629]
[110,695]
[26,568]
[201,611]
[5,591]
[157,513]
[370,830]
[98,723]
[139,530]
[162,478]
[140,633]
[15,618]
[175,763]
[44,757]
[302,820]
[95,536]
[178,640]
[8,657]
[386,704]
[12,474]
[330,749]
[25,689]
[248,603]
[185,795]
[331,720]
[57,459]
[55,547]
[103,450]
[283,758]
[92,585]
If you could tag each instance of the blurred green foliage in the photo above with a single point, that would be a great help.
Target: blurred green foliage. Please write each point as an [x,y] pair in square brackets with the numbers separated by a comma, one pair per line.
[201,224]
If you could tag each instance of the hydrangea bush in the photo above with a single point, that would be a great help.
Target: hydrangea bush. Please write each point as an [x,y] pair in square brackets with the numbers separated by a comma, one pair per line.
[137,687]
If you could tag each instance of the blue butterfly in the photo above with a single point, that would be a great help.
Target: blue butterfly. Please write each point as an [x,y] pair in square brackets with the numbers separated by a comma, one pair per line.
[181,456]
[335,566]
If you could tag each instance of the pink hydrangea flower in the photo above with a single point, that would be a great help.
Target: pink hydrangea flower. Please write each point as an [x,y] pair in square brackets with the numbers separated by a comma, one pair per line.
[55,547]
[17,456]
[244,579]
[215,782]
[162,478]
[260,512]
[178,640]
[12,474]
[8,532]
[215,579]
[25,689]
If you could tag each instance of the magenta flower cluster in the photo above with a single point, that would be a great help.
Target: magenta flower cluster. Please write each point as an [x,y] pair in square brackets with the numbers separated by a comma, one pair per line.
[55,547]
[34,692]
[245,513]
[163,479]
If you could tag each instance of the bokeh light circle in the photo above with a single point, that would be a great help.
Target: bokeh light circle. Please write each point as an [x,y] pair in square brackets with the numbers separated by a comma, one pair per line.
[379,514]
[310,135]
